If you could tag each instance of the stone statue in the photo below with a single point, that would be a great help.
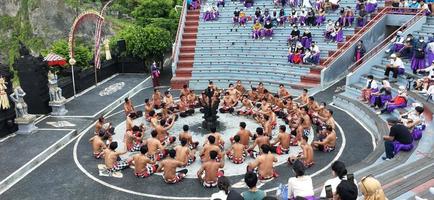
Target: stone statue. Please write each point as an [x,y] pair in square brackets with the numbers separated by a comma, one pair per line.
[20,105]
[54,90]
[4,100]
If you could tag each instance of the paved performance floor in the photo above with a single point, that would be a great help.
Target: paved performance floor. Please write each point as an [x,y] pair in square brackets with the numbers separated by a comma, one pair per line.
[72,172]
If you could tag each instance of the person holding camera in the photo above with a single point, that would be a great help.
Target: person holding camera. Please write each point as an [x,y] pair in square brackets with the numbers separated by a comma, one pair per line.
[423,83]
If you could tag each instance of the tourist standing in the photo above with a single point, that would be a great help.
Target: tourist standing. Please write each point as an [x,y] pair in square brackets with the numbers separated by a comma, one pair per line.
[155,74]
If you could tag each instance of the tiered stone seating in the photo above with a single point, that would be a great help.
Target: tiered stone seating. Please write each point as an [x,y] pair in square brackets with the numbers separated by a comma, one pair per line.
[225,53]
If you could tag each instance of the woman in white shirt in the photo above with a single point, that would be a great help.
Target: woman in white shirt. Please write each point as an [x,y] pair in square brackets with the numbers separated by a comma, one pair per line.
[223,185]
[371,87]
[301,184]
[339,172]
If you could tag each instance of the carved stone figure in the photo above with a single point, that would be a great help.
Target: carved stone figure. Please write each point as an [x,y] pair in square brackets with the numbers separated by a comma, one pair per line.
[20,105]
[54,90]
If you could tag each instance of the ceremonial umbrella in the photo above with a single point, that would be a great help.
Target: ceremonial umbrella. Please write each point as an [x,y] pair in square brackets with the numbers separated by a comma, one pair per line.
[55,60]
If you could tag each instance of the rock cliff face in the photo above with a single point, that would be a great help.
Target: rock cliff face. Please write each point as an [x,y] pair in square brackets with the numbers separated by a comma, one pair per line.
[45,21]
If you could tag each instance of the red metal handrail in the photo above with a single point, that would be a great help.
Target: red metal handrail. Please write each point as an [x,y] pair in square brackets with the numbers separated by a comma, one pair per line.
[382,44]
[355,37]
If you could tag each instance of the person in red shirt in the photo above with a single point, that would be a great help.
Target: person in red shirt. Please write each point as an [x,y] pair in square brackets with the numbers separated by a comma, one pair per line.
[400,101]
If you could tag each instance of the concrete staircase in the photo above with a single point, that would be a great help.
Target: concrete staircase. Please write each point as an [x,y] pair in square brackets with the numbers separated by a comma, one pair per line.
[187,50]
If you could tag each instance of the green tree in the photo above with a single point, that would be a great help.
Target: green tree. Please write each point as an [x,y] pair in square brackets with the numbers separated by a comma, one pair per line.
[148,9]
[82,53]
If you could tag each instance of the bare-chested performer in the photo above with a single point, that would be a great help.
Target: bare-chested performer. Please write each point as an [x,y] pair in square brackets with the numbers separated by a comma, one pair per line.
[143,166]
[260,139]
[111,158]
[170,103]
[228,104]
[306,156]
[210,170]
[247,106]
[233,93]
[129,122]
[163,134]
[283,92]
[218,137]
[244,135]
[208,147]
[156,99]
[168,167]
[156,150]
[185,90]
[312,105]
[148,108]
[253,95]
[305,128]
[260,90]
[184,107]
[128,106]
[304,97]
[283,139]
[240,87]
[192,100]
[327,144]
[186,135]
[266,124]
[238,152]
[263,164]
[183,153]
[98,145]
[105,127]
[133,138]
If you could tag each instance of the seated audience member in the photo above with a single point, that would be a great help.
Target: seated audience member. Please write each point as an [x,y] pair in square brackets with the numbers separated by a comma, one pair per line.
[338,33]
[300,185]
[346,190]
[361,16]
[294,36]
[379,98]
[398,134]
[320,17]
[302,17]
[258,16]
[310,17]
[329,30]
[424,83]
[397,43]
[407,50]
[339,172]
[414,118]
[263,164]
[328,143]
[237,153]
[348,17]
[257,29]
[143,166]
[371,188]
[306,38]
[396,66]
[221,3]
[112,160]
[168,167]
[225,192]
[371,5]
[251,179]
[371,87]
[414,4]
[268,30]
[334,4]
[210,171]
[399,101]
[306,156]
[98,145]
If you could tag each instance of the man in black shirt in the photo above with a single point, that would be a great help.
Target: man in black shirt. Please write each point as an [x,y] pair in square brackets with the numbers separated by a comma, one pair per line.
[295,35]
[399,133]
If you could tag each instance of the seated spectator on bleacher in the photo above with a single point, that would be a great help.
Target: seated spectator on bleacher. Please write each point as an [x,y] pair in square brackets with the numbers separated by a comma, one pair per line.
[371,87]
[300,185]
[361,16]
[281,20]
[418,59]
[425,6]
[407,50]
[346,190]
[427,80]
[339,173]
[258,15]
[338,34]
[236,17]
[268,30]
[403,4]
[248,3]
[310,18]
[329,29]
[414,4]
[397,43]
[414,118]
[320,17]
[395,3]
[334,4]
[371,5]
[302,17]
[292,18]
[220,3]
[371,188]
[378,99]
[251,179]
[398,133]
[430,50]
[396,66]
[348,18]
[295,35]
[257,29]
[399,101]
[306,38]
